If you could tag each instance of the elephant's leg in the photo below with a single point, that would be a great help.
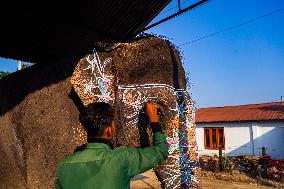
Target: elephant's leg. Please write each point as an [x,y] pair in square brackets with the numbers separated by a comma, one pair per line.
[187,143]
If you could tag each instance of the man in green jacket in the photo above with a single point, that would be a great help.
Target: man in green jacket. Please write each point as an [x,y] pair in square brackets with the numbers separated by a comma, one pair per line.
[100,166]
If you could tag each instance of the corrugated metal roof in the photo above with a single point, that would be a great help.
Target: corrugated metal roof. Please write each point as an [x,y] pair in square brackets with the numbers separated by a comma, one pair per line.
[40,31]
[249,112]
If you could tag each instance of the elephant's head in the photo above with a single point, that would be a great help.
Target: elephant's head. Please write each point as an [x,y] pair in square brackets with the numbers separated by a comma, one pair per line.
[127,75]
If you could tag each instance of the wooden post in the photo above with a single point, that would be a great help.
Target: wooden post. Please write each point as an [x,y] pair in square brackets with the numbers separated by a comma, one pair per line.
[20,65]
[263,151]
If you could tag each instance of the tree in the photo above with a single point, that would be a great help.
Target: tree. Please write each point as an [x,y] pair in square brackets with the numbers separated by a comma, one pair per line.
[2,74]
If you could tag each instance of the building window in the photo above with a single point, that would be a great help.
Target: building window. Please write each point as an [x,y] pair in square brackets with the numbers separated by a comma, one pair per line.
[214,138]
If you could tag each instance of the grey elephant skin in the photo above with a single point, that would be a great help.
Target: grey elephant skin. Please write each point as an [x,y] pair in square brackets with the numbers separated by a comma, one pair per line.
[39,111]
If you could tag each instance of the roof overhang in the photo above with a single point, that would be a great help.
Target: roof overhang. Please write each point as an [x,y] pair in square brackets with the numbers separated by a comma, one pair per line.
[40,31]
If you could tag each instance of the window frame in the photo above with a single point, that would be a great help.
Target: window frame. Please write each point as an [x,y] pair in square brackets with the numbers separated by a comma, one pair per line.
[211,138]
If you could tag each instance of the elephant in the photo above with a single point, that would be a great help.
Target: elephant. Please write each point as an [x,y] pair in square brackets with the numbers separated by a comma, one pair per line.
[40,106]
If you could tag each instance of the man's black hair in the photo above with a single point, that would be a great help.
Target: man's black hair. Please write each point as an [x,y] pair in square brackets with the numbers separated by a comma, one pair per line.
[96,117]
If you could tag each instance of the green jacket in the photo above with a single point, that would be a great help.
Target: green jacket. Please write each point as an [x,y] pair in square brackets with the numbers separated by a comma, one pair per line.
[99,166]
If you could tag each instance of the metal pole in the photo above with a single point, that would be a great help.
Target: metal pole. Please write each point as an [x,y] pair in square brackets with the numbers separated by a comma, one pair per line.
[176,14]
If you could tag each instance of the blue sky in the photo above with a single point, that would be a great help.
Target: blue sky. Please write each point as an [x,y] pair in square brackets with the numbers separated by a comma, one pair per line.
[241,66]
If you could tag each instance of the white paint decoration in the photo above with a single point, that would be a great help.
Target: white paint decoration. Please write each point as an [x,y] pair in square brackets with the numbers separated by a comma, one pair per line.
[131,96]
[102,81]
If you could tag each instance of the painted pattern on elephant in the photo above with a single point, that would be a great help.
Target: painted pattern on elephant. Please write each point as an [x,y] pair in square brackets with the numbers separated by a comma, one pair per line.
[94,80]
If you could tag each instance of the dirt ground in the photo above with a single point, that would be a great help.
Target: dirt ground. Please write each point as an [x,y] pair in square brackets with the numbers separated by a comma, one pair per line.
[149,180]
[145,180]
[217,184]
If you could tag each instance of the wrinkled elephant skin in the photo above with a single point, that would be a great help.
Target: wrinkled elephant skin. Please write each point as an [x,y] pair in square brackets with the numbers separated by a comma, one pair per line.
[40,105]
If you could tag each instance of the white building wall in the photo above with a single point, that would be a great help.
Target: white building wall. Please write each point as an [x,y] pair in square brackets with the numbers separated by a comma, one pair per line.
[246,138]
[271,136]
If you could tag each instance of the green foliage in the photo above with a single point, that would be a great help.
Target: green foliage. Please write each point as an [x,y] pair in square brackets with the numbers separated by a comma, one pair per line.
[2,74]
[225,164]
[216,164]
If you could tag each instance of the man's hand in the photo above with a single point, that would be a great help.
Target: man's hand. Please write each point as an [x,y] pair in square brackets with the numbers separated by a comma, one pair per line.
[151,111]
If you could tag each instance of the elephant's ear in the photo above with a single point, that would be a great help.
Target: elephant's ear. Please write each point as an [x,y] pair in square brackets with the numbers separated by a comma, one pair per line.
[93,80]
